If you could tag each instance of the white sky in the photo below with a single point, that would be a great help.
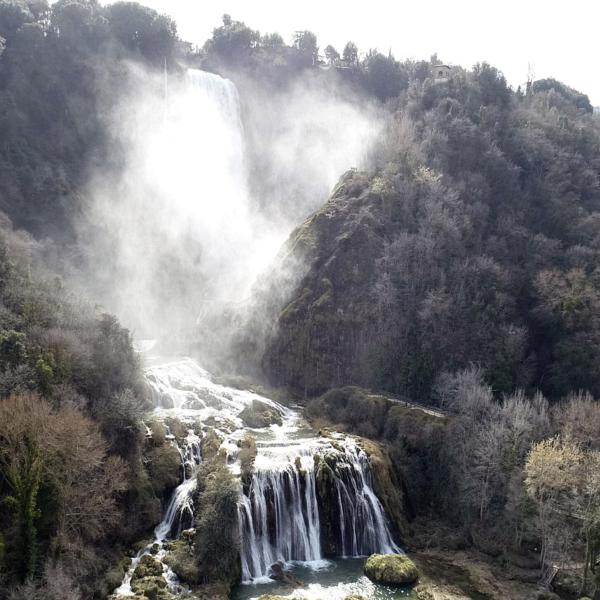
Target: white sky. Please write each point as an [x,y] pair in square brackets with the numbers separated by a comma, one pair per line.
[558,38]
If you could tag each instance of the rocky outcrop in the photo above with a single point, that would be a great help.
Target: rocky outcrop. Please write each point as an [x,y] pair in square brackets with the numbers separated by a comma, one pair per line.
[147,567]
[325,467]
[325,331]
[391,569]
[180,558]
[258,415]
[277,573]
[211,444]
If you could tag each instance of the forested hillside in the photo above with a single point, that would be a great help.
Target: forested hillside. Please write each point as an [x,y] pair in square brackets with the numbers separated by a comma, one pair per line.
[60,70]
[474,241]
[73,489]
[459,268]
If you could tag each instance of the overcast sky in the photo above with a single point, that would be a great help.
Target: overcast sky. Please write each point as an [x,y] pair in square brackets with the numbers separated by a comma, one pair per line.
[558,38]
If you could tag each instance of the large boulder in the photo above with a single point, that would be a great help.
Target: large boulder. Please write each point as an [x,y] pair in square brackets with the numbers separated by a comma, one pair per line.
[259,414]
[391,569]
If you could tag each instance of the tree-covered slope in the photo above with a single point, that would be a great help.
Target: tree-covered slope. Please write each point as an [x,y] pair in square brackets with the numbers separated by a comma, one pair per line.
[61,68]
[474,240]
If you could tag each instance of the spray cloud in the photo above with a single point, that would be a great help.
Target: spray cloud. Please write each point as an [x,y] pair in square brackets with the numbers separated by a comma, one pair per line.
[190,220]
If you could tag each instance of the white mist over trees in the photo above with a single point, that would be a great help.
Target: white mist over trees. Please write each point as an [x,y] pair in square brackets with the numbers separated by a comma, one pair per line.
[179,234]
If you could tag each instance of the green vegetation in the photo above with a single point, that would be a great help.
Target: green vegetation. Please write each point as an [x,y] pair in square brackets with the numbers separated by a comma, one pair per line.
[71,473]
[516,478]
[474,240]
[217,534]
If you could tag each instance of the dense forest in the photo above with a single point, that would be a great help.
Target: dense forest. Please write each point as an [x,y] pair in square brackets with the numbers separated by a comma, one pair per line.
[459,270]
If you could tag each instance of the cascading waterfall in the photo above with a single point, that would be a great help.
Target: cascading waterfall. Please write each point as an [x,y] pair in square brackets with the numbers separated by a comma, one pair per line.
[280,509]
[279,515]
[279,518]
[178,515]
[363,527]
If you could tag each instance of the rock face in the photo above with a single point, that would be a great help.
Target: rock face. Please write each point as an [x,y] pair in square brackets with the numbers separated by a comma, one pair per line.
[147,567]
[388,488]
[325,331]
[391,569]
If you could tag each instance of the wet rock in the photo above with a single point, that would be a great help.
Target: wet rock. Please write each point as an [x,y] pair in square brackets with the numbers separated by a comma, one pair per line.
[391,569]
[147,567]
[247,456]
[277,573]
[327,500]
[259,415]
[148,584]
[424,592]
[164,468]
[180,558]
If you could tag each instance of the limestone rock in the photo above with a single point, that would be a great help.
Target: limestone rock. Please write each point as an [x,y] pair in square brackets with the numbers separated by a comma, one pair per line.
[391,569]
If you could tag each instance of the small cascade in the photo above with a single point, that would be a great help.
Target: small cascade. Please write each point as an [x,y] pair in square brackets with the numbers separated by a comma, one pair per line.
[179,514]
[180,510]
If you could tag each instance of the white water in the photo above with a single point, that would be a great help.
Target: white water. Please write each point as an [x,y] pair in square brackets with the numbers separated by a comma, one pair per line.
[279,516]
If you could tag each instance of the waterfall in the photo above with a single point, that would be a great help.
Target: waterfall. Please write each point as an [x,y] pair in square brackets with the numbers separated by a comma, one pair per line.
[178,515]
[363,527]
[279,513]
[308,497]
[180,510]
[279,518]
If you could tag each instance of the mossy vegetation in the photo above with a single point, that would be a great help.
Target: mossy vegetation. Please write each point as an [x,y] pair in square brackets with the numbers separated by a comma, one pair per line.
[259,414]
[391,569]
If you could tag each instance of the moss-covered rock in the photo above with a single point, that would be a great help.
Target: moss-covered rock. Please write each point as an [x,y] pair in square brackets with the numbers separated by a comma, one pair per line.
[270,597]
[247,456]
[145,584]
[391,569]
[180,558]
[164,468]
[327,500]
[259,414]
[211,443]
[147,567]
[176,427]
